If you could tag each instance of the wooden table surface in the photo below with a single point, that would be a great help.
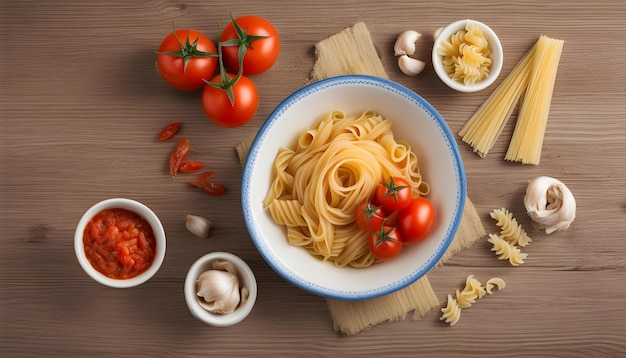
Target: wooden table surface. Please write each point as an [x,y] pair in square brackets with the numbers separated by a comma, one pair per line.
[81,104]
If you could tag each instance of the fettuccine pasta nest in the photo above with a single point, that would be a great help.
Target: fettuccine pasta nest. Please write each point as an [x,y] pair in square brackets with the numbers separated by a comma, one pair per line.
[335,165]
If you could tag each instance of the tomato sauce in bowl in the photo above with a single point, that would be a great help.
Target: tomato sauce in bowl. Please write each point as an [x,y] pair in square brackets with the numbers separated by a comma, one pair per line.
[119,243]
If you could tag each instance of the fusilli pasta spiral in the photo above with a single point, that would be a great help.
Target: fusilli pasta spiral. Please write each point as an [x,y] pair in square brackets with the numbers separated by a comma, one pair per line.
[494,282]
[472,291]
[452,312]
[465,299]
[510,229]
[506,250]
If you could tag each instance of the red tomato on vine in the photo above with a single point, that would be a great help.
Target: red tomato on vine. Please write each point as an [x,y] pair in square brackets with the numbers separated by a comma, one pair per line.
[186,58]
[385,243]
[230,100]
[253,38]
[416,220]
[394,193]
[370,217]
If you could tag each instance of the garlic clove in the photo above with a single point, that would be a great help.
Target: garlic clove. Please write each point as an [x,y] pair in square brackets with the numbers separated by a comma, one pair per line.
[198,225]
[405,43]
[436,33]
[410,66]
[219,291]
[550,204]
[245,294]
[225,265]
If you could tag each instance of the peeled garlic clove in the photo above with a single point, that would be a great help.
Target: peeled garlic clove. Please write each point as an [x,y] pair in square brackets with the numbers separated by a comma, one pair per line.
[216,297]
[410,66]
[405,43]
[550,204]
[218,289]
[245,294]
[436,33]
[225,265]
[198,225]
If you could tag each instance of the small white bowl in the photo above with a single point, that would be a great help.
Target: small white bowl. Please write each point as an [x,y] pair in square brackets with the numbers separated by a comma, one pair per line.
[496,49]
[246,279]
[145,213]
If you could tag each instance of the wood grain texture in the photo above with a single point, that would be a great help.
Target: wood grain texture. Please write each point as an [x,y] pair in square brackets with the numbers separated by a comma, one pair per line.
[81,104]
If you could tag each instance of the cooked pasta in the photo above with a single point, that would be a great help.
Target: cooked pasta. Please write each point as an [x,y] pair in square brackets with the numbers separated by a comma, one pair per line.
[506,250]
[511,230]
[451,313]
[466,55]
[527,140]
[336,164]
[494,282]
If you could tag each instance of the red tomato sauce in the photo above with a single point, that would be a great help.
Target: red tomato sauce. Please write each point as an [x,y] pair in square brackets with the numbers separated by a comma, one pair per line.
[119,243]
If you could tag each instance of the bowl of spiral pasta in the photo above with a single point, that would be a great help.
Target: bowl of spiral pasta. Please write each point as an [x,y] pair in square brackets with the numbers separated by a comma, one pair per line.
[467,55]
[353,188]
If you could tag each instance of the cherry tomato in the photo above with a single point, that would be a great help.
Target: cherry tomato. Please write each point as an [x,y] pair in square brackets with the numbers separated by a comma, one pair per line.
[394,193]
[190,166]
[416,220]
[370,217]
[386,243]
[260,40]
[169,131]
[230,112]
[186,58]
[179,154]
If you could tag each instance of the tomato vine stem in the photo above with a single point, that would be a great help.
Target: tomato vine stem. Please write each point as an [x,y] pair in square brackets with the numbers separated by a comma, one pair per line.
[188,50]
[243,40]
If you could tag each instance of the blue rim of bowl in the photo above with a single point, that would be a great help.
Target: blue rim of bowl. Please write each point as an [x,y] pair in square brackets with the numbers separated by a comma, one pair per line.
[246,187]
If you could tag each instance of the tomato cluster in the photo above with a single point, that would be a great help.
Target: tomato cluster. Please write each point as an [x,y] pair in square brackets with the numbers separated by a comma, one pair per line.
[188,60]
[393,217]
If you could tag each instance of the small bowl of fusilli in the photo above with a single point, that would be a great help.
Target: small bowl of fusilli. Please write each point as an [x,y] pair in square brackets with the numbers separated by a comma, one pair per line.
[467,55]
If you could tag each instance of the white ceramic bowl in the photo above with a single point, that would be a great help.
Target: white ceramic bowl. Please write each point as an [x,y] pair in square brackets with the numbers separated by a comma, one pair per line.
[246,278]
[145,213]
[496,49]
[414,120]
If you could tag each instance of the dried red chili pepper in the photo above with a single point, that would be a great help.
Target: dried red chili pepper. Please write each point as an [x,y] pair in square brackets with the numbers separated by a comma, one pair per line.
[213,188]
[178,155]
[168,132]
[190,166]
[203,182]
[198,179]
